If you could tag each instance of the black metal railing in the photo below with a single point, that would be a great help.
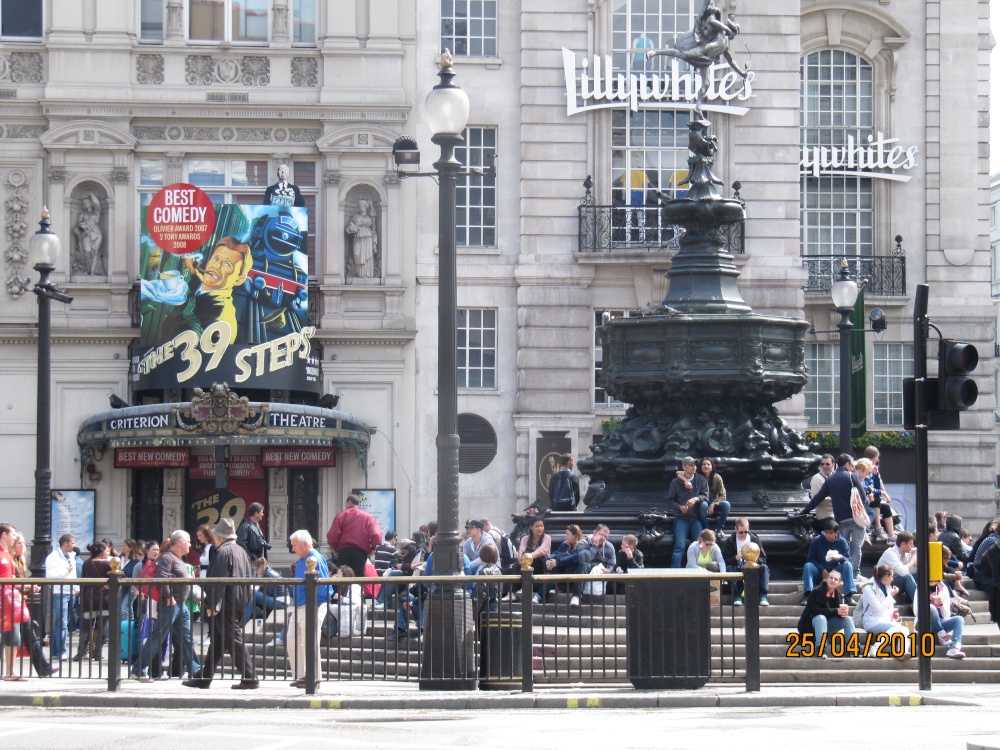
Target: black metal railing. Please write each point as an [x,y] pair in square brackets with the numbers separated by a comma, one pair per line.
[389,629]
[880,275]
[605,229]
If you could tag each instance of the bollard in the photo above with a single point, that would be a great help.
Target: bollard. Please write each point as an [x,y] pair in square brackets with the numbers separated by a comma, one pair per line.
[312,668]
[527,610]
[751,615]
[114,627]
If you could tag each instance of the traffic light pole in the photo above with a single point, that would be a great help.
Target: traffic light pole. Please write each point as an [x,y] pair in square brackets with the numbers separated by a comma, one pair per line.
[920,331]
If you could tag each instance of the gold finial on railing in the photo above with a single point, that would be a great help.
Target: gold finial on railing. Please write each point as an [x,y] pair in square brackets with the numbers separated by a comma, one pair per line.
[115,565]
[311,565]
[526,560]
[751,552]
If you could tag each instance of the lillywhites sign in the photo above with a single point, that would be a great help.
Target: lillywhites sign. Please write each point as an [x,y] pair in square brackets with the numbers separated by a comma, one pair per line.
[860,160]
[600,86]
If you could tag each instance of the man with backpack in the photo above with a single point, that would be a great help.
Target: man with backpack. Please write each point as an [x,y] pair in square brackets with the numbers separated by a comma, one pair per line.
[564,486]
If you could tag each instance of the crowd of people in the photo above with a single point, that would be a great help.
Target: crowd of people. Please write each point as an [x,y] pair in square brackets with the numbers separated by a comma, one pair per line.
[191,574]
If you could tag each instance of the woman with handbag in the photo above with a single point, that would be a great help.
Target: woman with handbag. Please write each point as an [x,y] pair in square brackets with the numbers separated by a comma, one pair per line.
[28,638]
[12,608]
[94,603]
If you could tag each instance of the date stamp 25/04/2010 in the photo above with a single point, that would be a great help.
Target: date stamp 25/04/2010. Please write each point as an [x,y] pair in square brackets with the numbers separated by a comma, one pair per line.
[879,645]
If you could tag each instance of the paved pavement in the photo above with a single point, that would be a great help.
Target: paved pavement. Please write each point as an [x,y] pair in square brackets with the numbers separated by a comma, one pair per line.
[65,693]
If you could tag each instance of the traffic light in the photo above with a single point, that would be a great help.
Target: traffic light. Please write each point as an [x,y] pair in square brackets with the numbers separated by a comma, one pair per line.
[957,391]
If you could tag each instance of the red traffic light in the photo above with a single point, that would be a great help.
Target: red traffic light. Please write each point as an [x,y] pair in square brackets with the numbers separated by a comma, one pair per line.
[956,359]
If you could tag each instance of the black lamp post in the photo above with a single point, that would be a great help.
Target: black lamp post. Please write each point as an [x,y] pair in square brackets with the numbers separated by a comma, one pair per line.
[448,657]
[845,293]
[44,248]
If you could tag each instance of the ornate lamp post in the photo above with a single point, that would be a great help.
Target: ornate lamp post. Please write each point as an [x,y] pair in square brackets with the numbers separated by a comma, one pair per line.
[845,293]
[44,248]
[448,662]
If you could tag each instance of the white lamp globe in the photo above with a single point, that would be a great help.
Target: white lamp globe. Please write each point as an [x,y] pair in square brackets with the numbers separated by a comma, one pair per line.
[44,247]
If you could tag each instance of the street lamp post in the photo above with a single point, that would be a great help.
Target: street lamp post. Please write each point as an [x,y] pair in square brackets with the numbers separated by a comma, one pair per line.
[44,248]
[449,662]
[845,293]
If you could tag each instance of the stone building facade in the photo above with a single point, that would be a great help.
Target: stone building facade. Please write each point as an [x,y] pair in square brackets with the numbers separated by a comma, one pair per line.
[105,102]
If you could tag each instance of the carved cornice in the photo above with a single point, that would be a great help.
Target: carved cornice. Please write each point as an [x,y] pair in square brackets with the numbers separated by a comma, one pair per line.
[250,70]
[172,111]
[22,67]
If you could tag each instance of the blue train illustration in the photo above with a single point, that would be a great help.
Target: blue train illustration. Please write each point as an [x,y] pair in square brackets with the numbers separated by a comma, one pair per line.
[277,286]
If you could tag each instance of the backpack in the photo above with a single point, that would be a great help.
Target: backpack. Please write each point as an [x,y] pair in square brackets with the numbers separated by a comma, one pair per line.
[508,554]
[561,495]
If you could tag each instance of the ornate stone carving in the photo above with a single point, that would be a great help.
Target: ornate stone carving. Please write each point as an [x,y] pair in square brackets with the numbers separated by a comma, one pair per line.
[201,134]
[175,20]
[227,70]
[16,205]
[280,134]
[364,255]
[57,174]
[256,70]
[304,135]
[24,131]
[149,69]
[332,178]
[174,133]
[120,175]
[151,133]
[253,134]
[89,136]
[175,161]
[391,177]
[280,16]
[199,70]
[26,67]
[219,411]
[305,71]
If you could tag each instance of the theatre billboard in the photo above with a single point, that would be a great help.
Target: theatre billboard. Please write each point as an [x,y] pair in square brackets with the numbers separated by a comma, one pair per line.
[224,295]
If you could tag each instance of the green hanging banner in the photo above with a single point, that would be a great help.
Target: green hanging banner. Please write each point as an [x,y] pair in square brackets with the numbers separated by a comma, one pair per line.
[859,401]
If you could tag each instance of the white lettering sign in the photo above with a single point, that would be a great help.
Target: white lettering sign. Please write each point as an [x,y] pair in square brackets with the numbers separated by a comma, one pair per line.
[601,87]
[855,160]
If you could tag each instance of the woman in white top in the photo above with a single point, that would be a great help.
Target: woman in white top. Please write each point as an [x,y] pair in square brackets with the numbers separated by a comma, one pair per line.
[878,604]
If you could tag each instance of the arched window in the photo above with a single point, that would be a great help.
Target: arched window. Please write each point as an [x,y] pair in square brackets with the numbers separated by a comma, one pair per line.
[837,112]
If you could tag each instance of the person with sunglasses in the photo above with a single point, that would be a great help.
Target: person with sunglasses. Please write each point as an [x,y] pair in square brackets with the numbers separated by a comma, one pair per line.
[732,553]
[825,509]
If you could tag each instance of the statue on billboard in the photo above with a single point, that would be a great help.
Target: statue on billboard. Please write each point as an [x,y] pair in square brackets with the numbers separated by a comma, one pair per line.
[283,193]
[89,238]
[364,246]
[704,45]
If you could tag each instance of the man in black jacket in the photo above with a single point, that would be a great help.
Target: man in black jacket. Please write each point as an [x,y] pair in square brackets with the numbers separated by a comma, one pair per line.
[564,486]
[732,553]
[249,536]
[837,487]
[687,491]
[225,604]
[950,538]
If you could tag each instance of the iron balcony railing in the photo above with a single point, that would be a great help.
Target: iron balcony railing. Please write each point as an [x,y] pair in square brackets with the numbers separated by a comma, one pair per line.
[879,275]
[610,229]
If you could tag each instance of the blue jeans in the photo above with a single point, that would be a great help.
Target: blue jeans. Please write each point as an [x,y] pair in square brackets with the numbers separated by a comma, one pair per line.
[822,624]
[262,605]
[417,605]
[389,591]
[765,578]
[813,574]
[61,605]
[177,620]
[908,584]
[720,515]
[855,536]
[953,625]
[684,528]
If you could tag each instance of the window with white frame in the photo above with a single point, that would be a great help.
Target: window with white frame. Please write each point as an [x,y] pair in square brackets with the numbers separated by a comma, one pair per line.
[822,390]
[476,348]
[603,399]
[649,148]
[995,254]
[236,21]
[469,27]
[476,194]
[21,19]
[893,362]
[241,181]
[151,13]
[836,98]
[304,21]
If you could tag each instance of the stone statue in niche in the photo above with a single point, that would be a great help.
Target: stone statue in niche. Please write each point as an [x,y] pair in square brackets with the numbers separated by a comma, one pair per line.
[88,257]
[363,230]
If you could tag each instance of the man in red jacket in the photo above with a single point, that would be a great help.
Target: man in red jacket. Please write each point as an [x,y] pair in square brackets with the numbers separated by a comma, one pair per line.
[353,536]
